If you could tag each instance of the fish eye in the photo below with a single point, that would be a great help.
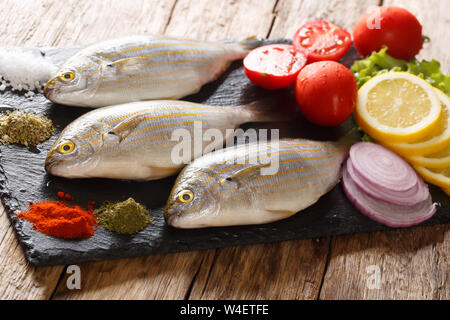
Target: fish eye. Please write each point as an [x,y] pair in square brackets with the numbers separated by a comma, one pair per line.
[66,147]
[67,76]
[186,196]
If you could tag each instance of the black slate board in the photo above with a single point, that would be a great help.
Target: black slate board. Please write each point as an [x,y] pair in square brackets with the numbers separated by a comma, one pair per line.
[23,178]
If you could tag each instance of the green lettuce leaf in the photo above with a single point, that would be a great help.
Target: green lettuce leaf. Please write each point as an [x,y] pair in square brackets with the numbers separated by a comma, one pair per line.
[380,62]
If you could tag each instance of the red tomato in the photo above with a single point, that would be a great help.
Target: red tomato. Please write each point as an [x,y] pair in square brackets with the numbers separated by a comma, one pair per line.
[321,40]
[326,93]
[394,27]
[274,66]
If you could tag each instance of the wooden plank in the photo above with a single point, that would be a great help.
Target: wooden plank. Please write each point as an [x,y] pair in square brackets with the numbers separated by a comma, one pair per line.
[217,20]
[72,22]
[400,264]
[46,23]
[169,276]
[19,280]
[291,14]
[293,269]
[158,276]
[287,270]
[413,263]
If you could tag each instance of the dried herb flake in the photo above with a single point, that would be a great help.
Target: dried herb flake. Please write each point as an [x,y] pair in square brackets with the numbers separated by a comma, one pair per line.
[24,128]
[126,217]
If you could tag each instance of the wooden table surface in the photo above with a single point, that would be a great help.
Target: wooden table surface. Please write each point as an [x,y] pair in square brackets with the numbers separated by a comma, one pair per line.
[411,264]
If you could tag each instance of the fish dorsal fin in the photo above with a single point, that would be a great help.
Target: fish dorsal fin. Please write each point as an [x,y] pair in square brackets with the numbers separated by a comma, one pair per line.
[243,173]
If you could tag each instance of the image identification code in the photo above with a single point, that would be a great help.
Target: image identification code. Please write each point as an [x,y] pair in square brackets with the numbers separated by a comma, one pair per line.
[226,309]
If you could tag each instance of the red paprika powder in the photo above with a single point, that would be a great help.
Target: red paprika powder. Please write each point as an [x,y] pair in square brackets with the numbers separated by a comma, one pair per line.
[58,219]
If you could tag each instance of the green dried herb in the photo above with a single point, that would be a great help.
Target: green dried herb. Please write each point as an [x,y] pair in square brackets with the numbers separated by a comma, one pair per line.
[24,128]
[126,217]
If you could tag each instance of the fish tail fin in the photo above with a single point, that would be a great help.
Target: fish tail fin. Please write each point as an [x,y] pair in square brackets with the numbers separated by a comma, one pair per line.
[251,43]
[244,46]
[270,109]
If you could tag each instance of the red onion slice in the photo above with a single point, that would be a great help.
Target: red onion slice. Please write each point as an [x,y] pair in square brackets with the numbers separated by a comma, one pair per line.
[388,214]
[382,167]
[415,195]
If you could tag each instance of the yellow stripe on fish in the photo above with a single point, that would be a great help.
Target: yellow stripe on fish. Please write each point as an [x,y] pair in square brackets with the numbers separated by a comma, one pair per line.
[280,172]
[249,153]
[129,115]
[133,49]
[154,46]
[177,62]
[273,155]
[146,66]
[150,75]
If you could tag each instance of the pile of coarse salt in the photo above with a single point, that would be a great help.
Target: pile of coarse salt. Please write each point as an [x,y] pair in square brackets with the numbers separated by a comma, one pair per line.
[24,70]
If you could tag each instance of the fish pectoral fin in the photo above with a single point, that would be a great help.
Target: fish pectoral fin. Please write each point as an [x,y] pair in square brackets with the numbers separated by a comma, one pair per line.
[130,64]
[244,173]
[124,128]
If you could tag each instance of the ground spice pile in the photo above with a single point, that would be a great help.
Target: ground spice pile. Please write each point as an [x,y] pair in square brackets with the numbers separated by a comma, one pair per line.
[126,217]
[58,219]
[24,128]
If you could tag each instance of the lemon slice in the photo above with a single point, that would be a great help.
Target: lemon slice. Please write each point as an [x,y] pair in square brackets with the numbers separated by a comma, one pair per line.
[397,107]
[438,177]
[440,159]
[437,140]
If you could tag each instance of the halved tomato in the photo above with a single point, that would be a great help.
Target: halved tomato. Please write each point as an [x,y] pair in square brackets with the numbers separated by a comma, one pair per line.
[274,66]
[321,40]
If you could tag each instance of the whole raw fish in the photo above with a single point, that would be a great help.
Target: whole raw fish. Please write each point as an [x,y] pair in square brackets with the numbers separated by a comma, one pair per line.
[134,140]
[141,68]
[220,189]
